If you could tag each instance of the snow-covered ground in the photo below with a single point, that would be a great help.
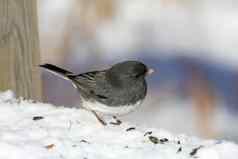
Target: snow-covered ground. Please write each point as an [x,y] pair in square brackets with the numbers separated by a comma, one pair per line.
[181,116]
[33,130]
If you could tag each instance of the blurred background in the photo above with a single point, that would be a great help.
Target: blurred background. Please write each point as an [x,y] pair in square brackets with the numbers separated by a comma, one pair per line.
[192,45]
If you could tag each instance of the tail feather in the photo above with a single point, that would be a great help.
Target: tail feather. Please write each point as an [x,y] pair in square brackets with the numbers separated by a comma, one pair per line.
[57,71]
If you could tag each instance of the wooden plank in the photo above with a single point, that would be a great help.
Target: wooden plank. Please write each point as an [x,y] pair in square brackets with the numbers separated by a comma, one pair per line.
[19,48]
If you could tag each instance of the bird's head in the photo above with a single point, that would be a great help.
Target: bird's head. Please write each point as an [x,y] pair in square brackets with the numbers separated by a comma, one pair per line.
[128,72]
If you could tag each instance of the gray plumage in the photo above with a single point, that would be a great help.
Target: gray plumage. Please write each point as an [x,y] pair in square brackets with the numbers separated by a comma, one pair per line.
[122,84]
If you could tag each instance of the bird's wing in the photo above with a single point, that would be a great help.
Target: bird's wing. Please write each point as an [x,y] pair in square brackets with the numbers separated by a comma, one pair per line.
[92,83]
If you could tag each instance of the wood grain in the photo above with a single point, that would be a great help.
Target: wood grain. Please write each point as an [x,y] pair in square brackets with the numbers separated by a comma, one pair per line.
[19,48]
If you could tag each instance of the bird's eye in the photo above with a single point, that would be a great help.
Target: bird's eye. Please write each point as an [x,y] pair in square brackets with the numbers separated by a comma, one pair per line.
[139,71]
[138,75]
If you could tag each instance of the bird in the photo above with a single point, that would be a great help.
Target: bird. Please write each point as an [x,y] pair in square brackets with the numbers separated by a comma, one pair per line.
[117,90]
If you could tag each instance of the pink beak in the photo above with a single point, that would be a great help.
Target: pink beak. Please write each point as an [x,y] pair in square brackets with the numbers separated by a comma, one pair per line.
[150,71]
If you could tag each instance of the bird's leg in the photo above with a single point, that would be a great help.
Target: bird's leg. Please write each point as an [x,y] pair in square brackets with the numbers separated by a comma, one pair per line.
[99,118]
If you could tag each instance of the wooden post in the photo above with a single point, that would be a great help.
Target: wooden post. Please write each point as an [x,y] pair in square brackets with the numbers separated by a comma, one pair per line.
[19,48]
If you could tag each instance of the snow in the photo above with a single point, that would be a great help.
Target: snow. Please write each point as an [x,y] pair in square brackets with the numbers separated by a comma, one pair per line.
[73,133]
[169,111]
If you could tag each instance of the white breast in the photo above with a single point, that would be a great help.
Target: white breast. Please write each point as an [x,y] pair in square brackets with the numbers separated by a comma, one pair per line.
[110,110]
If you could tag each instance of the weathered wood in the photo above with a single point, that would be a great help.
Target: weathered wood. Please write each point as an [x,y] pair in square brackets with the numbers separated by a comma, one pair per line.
[19,48]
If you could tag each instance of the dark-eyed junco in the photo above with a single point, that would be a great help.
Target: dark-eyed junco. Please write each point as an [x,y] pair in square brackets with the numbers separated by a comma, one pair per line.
[114,91]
